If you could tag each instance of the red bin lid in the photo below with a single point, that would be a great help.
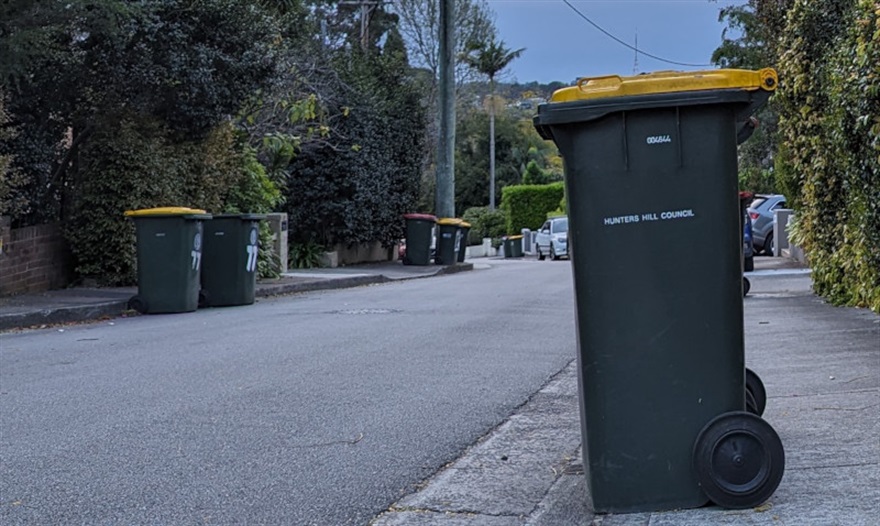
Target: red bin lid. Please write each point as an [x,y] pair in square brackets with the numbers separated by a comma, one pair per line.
[423,217]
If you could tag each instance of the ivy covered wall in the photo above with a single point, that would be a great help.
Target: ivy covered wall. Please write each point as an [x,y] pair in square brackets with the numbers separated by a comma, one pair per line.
[829,158]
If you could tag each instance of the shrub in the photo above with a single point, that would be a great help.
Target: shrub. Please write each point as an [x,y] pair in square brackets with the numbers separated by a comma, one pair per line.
[527,205]
[484,223]
[305,255]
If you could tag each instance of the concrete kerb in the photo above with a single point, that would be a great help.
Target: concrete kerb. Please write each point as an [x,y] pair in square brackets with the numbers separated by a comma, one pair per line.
[50,314]
[59,315]
[507,477]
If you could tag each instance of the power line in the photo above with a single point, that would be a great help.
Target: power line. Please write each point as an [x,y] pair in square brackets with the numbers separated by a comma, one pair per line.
[636,49]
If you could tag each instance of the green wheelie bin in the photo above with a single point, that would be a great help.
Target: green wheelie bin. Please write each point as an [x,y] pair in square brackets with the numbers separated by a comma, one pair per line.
[465,228]
[229,260]
[448,241]
[514,244]
[169,258]
[651,180]
[419,231]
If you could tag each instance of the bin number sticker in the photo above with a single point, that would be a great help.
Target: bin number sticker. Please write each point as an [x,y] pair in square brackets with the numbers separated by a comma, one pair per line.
[252,252]
[197,251]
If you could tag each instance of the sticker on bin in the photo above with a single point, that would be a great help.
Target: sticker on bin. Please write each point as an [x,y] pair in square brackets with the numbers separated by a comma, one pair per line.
[252,252]
[668,215]
[197,251]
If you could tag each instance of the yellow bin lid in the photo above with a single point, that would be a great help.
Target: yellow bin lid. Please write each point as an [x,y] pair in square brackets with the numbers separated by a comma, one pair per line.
[464,224]
[449,221]
[514,238]
[668,82]
[165,211]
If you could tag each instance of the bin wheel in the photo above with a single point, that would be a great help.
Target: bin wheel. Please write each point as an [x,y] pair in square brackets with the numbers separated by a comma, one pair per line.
[751,406]
[739,460]
[747,285]
[203,298]
[755,386]
[138,304]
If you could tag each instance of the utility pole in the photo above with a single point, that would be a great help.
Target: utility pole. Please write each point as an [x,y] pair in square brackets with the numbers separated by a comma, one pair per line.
[445,191]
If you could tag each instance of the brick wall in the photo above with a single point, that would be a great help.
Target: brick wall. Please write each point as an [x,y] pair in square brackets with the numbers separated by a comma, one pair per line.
[32,259]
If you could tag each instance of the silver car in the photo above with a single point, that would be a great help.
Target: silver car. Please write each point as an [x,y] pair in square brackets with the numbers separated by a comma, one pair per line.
[552,238]
[761,212]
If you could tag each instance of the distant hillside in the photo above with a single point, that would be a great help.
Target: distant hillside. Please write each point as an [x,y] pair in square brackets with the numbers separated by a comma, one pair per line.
[514,92]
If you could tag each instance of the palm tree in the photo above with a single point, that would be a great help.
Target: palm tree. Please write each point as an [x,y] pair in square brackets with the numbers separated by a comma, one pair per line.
[490,58]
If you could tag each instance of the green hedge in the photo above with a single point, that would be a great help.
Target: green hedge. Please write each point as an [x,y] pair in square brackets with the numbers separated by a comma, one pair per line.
[135,163]
[830,155]
[527,205]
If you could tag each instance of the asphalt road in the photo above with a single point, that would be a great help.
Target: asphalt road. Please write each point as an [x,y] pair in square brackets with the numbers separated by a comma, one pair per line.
[313,409]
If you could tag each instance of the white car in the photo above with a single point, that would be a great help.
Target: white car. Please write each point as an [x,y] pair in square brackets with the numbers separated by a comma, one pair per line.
[552,238]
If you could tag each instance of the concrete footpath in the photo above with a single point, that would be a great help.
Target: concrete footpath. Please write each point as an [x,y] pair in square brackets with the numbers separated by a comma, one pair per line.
[78,304]
[821,367]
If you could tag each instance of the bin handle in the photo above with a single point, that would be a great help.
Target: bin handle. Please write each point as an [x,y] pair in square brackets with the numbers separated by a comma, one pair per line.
[605,83]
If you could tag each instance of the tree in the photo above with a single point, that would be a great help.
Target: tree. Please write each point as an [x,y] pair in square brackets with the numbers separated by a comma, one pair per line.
[513,141]
[71,64]
[489,58]
[749,42]
[419,26]
[354,185]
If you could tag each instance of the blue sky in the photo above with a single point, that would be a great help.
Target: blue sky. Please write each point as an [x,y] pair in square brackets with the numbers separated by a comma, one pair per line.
[560,45]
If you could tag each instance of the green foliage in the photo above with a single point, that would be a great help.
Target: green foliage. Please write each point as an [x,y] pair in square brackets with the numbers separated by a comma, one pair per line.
[534,174]
[12,202]
[512,145]
[268,262]
[830,121]
[355,188]
[305,255]
[527,205]
[138,163]
[748,42]
[757,181]
[68,65]
[485,223]
[254,192]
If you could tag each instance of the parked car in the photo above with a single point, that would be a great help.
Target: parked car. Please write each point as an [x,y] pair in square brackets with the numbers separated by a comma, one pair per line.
[552,238]
[761,214]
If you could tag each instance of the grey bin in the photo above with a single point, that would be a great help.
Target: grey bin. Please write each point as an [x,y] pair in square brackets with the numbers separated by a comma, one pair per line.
[651,181]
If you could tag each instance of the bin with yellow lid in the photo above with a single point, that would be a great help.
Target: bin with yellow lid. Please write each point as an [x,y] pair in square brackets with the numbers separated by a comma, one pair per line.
[448,241]
[654,225]
[169,258]
[513,246]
